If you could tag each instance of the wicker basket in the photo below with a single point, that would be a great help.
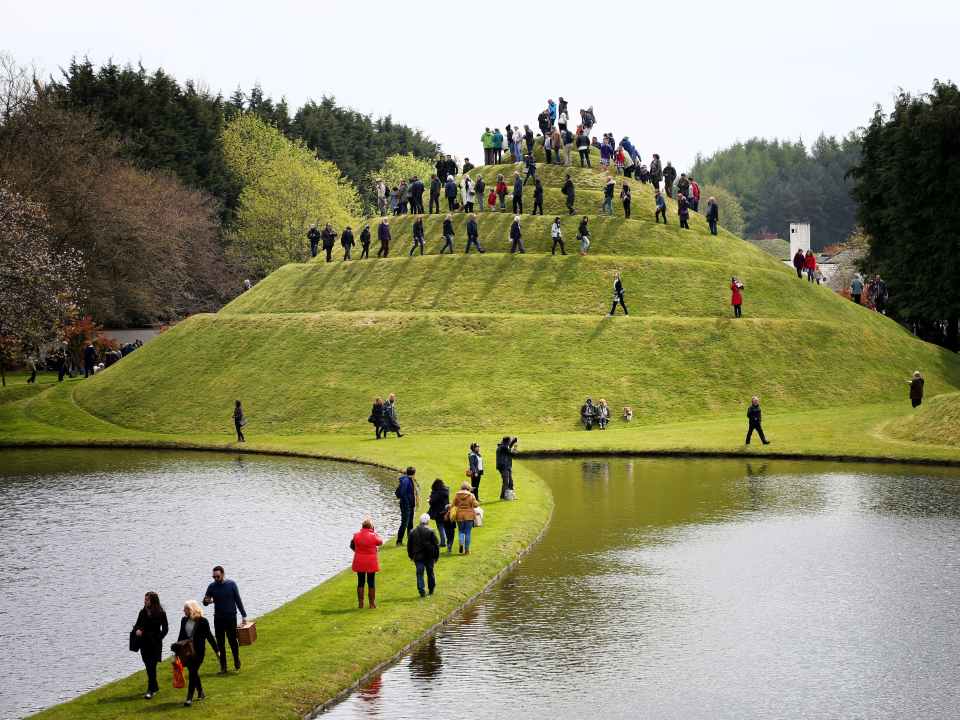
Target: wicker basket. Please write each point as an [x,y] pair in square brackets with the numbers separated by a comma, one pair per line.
[247,633]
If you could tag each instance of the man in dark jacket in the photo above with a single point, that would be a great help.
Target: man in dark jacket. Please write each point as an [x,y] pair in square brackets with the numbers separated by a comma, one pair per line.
[423,547]
[407,495]
[327,235]
[505,452]
[881,295]
[441,167]
[473,235]
[588,412]
[383,233]
[89,360]
[753,417]
[450,190]
[313,235]
[451,167]
[713,215]
[435,187]
[799,263]
[416,195]
[515,235]
[570,192]
[543,121]
[916,389]
[224,595]
[517,194]
[583,147]
[669,175]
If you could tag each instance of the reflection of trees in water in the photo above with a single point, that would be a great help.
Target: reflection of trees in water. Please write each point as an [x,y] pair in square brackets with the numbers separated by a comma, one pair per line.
[596,471]
[425,662]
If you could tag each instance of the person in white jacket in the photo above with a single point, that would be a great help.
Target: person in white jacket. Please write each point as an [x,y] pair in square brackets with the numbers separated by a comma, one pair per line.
[517,144]
[382,197]
[468,193]
[557,236]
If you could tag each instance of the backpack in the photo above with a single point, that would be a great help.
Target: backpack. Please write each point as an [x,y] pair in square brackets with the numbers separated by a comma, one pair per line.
[593,117]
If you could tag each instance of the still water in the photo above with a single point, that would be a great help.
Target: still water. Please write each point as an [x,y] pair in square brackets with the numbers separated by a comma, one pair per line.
[84,534]
[709,589]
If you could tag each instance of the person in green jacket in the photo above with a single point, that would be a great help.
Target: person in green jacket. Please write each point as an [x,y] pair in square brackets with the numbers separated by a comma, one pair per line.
[487,139]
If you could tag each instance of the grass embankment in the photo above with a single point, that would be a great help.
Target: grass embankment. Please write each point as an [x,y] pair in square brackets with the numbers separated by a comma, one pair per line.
[936,422]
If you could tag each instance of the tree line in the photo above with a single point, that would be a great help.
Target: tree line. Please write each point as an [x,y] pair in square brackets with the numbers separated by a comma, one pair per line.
[779,182]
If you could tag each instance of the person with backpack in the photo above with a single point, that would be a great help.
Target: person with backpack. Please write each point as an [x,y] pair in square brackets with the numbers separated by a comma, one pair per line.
[538,197]
[661,206]
[423,548]
[417,235]
[473,235]
[435,188]
[608,196]
[625,199]
[313,235]
[583,147]
[515,235]
[557,236]
[617,296]
[450,191]
[406,493]
[448,234]
[365,242]
[506,451]
[570,191]
[328,236]
[713,215]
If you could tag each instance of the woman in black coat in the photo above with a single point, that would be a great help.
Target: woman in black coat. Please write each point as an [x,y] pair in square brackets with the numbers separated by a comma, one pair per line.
[439,502]
[151,628]
[347,241]
[376,417]
[194,624]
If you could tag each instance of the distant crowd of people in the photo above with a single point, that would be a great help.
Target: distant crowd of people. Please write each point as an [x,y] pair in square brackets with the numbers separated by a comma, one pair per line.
[60,360]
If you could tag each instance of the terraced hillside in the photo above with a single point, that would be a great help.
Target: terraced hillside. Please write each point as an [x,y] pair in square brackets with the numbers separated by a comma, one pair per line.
[486,342]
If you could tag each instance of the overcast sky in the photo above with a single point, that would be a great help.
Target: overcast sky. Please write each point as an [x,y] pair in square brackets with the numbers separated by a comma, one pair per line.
[678,78]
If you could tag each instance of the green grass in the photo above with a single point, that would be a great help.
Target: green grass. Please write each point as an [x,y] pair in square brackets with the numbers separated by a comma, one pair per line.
[478,346]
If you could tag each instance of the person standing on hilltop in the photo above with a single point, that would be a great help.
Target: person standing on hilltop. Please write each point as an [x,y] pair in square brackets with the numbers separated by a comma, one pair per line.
[556,142]
[473,235]
[656,172]
[517,155]
[451,167]
[695,192]
[313,235]
[669,175]
[531,163]
[810,263]
[713,215]
[570,191]
[515,235]
[583,147]
[467,166]
[557,235]
[382,194]
[497,145]
[441,168]
[562,120]
[383,233]
[487,140]
[856,285]
[543,121]
[754,418]
[683,186]
[517,194]
[916,389]
[416,195]
[661,207]
[552,108]
[736,299]
[617,297]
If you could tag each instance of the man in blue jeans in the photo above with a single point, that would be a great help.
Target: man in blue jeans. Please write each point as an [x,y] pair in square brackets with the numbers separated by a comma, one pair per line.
[424,549]
[407,495]
[225,596]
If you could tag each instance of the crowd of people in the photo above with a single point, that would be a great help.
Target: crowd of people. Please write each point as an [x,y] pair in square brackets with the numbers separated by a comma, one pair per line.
[152,626]
[91,362]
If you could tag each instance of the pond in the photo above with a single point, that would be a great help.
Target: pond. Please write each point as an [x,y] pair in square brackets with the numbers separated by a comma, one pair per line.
[708,589]
[85,533]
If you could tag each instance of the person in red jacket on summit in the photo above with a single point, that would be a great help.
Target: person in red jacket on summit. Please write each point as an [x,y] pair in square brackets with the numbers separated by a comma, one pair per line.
[365,561]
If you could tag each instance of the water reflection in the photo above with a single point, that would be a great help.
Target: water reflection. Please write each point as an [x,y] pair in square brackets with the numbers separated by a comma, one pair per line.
[82,530]
[702,588]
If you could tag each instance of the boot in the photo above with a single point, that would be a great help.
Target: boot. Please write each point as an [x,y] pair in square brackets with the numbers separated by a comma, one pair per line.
[372,594]
[360,596]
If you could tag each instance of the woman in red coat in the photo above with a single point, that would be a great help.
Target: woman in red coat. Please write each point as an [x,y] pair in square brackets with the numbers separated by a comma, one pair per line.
[365,562]
[737,300]
[810,263]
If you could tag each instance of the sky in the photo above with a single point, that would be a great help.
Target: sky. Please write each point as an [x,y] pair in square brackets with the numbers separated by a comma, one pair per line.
[677,78]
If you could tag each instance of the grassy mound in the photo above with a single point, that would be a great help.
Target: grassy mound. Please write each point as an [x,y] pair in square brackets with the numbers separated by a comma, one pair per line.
[936,422]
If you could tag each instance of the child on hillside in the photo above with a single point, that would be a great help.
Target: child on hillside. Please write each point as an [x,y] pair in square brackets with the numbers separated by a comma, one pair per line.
[492,200]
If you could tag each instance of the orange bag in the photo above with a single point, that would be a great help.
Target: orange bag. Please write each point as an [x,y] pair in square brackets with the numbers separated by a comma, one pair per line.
[178,681]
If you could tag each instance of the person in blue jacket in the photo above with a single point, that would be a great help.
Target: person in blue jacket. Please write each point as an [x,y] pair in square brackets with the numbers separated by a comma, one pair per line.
[407,495]
[473,234]
[497,145]
[661,207]
[515,235]
[225,597]
[450,191]
[553,110]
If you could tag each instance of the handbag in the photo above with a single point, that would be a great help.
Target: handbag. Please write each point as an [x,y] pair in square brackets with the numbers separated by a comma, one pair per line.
[134,640]
[469,473]
[243,422]
[178,680]
[184,649]
[370,419]
[478,517]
